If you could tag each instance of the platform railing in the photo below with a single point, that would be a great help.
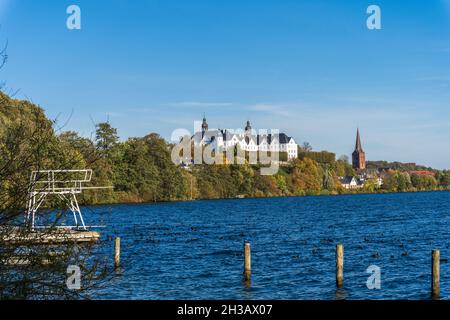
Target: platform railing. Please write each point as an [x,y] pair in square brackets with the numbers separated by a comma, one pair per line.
[57,181]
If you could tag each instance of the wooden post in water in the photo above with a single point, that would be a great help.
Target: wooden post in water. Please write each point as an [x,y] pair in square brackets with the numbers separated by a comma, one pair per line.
[339,266]
[247,261]
[117,253]
[435,270]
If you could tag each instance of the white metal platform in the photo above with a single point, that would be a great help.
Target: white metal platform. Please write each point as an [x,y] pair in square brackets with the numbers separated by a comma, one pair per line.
[65,184]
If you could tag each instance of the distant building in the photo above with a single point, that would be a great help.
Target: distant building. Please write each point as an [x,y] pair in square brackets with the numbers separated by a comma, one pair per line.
[246,140]
[349,182]
[358,156]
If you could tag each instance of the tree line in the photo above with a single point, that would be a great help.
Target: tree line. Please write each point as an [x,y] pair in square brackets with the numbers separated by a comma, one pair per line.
[141,169]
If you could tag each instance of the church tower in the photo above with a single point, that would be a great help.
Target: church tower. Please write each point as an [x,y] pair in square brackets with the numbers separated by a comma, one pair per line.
[358,156]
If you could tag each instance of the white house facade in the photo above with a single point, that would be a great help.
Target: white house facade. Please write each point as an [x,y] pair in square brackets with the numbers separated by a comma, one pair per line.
[247,140]
[349,182]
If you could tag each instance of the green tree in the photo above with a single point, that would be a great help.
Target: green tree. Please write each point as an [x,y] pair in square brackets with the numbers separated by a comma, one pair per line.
[105,137]
[281,183]
[328,179]
[444,179]
[423,182]
[305,177]
[343,168]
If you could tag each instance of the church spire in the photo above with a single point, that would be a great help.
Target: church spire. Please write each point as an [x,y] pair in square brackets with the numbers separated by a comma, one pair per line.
[358,146]
[358,156]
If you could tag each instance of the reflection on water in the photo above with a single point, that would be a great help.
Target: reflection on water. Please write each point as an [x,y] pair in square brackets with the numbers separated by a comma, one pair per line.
[340,294]
[247,284]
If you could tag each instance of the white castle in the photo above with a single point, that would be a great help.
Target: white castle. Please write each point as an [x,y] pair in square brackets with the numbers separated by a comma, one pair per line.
[247,140]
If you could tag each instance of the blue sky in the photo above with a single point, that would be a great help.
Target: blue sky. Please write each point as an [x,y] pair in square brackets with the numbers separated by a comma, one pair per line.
[309,68]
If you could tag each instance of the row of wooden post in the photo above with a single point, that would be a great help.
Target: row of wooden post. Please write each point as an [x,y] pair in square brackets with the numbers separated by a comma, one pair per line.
[435,268]
[435,265]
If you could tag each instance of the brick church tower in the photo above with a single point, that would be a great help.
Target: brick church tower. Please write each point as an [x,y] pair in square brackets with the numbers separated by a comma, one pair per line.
[358,156]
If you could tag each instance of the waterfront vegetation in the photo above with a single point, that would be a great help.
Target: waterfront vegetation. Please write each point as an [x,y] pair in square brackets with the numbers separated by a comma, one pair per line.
[141,169]
[28,269]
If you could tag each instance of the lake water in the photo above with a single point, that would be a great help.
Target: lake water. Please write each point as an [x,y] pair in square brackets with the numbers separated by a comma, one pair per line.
[194,250]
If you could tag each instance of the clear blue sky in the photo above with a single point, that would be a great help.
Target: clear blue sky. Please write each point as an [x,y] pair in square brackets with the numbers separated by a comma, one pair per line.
[310,68]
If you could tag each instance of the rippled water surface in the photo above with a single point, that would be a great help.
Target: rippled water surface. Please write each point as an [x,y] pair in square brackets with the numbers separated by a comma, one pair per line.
[193,250]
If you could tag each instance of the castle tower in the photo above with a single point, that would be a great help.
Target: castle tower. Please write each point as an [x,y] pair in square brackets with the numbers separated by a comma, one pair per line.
[204,126]
[248,127]
[358,156]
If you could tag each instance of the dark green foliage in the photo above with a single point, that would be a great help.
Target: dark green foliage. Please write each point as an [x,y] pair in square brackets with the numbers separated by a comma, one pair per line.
[396,166]
[444,179]
[423,182]
[397,181]
[143,170]
[318,156]
[343,168]
[105,137]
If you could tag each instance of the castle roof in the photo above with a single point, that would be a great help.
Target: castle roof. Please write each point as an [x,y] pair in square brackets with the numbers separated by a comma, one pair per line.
[209,135]
[226,135]
[281,137]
